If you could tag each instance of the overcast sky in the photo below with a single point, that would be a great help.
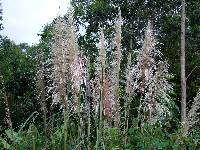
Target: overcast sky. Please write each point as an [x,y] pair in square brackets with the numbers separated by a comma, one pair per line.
[24,19]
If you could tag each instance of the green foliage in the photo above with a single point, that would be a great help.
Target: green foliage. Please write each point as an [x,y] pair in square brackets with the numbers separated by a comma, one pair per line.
[113,139]
[17,73]
[23,140]
[148,137]
[155,137]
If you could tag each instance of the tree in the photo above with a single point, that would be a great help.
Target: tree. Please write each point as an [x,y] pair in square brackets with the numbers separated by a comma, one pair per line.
[183,78]
[16,71]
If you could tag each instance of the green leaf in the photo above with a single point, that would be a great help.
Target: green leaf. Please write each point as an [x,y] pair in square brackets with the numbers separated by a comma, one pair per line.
[13,136]
[4,143]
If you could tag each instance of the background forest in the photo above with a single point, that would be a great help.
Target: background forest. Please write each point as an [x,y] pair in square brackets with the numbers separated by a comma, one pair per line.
[108,75]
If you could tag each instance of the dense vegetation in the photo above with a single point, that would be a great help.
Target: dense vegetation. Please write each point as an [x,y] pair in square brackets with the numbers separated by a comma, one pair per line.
[104,76]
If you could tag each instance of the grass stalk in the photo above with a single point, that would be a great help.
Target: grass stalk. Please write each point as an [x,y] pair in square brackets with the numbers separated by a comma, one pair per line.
[34,143]
[101,106]
[128,91]
[65,113]
[88,95]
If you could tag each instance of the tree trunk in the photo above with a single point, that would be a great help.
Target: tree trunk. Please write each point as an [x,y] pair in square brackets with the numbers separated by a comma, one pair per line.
[183,79]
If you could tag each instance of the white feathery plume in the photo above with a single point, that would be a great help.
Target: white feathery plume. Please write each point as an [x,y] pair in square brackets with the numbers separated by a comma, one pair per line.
[115,70]
[149,78]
